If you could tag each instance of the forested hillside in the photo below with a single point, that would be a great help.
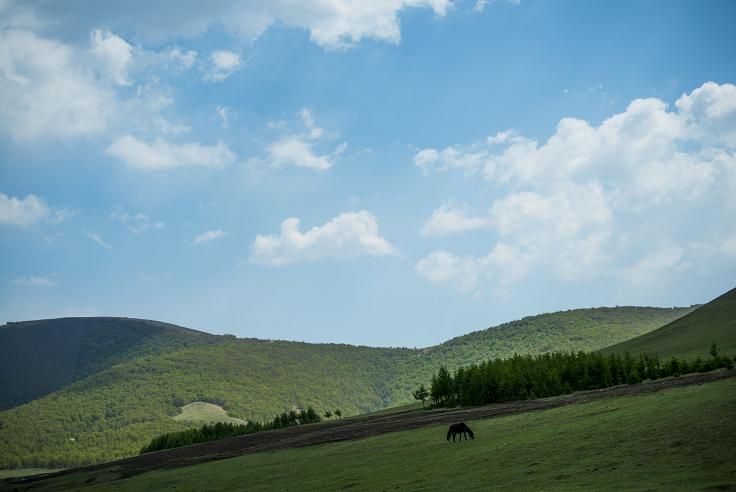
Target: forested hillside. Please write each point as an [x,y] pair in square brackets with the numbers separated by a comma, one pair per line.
[40,357]
[114,412]
[577,329]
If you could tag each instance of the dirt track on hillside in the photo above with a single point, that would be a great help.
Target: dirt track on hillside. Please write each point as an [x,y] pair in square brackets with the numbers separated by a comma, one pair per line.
[350,428]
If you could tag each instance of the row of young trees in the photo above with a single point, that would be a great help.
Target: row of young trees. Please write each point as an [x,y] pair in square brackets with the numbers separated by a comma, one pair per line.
[524,377]
[221,430]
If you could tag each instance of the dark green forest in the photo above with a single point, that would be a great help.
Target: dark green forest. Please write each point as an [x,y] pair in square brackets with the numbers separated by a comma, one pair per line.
[223,430]
[524,377]
[117,410]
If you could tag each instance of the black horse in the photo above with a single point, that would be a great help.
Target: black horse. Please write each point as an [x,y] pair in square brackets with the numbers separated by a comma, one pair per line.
[459,429]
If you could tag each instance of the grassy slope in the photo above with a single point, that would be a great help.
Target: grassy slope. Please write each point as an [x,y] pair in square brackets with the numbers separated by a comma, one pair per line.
[115,412]
[691,335]
[643,442]
[43,356]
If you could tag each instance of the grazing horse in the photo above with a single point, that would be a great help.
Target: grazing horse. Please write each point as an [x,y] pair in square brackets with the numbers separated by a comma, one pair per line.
[459,429]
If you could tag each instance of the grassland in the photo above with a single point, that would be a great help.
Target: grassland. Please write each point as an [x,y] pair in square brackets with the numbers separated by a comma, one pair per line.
[690,336]
[114,412]
[642,442]
[202,412]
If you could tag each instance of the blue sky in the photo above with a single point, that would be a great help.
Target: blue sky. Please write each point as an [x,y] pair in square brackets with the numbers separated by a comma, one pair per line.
[384,173]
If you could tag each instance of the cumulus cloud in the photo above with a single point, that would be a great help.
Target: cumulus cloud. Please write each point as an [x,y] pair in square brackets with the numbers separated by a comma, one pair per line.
[208,236]
[115,54]
[34,281]
[347,235]
[222,64]
[52,89]
[592,200]
[162,154]
[22,211]
[46,90]
[298,149]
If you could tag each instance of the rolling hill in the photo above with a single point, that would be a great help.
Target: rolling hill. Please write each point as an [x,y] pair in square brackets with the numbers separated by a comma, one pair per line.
[124,380]
[40,357]
[691,335]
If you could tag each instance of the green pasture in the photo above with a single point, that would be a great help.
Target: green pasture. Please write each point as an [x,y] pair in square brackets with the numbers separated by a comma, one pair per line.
[677,439]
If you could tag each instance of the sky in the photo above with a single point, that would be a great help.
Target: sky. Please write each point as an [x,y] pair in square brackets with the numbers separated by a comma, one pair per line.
[387,173]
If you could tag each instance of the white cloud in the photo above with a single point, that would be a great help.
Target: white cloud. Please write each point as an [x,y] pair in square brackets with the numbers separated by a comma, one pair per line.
[298,152]
[332,24]
[297,149]
[315,132]
[52,89]
[184,59]
[222,64]
[592,200]
[115,54]
[710,113]
[225,114]
[92,235]
[342,23]
[450,158]
[161,154]
[23,212]
[47,90]
[34,281]
[208,236]
[501,267]
[136,223]
[349,234]
[451,218]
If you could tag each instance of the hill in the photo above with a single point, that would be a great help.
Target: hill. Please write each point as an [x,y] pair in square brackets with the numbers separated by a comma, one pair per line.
[691,335]
[43,356]
[114,412]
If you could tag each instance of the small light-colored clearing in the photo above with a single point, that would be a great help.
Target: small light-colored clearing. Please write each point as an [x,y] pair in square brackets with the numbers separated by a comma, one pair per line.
[200,411]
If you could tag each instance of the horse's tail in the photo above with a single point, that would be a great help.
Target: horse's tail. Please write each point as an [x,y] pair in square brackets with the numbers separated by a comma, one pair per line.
[449,432]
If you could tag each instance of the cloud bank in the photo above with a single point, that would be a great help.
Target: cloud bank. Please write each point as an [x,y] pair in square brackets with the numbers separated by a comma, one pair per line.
[597,200]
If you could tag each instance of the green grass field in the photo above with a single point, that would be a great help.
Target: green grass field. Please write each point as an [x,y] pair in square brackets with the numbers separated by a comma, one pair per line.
[690,336]
[203,412]
[678,439]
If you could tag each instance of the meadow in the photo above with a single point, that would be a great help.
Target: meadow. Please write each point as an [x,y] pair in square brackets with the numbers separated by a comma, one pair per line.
[649,441]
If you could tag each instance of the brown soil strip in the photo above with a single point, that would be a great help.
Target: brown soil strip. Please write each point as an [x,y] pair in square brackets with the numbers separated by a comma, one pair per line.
[346,429]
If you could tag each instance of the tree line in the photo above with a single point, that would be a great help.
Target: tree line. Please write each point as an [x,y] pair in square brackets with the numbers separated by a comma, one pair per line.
[524,376]
[222,430]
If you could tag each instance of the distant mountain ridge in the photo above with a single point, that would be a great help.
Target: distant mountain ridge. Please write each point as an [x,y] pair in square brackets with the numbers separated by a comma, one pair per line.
[111,402]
